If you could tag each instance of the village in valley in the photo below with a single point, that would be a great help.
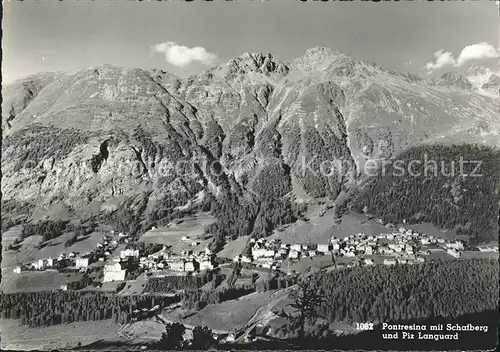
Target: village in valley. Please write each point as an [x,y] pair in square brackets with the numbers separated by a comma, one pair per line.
[119,258]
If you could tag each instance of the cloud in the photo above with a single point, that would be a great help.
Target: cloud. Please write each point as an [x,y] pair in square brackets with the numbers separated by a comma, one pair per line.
[474,52]
[442,59]
[181,56]
[477,51]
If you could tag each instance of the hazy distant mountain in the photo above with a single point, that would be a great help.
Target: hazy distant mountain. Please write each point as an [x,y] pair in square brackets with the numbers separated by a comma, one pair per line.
[260,117]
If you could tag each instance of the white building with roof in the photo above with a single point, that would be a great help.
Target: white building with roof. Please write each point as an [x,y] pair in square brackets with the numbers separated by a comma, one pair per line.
[129,253]
[294,254]
[189,266]
[323,248]
[389,261]
[176,265]
[206,265]
[81,262]
[263,253]
[113,272]
[41,264]
[455,245]
[296,247]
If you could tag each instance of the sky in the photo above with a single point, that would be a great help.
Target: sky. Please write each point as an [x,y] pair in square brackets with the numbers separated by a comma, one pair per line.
[186,38]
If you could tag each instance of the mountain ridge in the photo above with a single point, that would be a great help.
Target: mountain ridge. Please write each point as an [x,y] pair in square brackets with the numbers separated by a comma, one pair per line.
[269,125]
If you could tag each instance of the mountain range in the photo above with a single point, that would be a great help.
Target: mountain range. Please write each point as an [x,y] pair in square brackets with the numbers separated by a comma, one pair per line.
[247,126]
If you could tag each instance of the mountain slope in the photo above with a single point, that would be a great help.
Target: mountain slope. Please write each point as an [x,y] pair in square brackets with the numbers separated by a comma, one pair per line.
[17,95]
[254,128]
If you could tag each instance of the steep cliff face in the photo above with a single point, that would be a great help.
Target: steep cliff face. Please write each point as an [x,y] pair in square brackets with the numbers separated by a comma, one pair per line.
[272,127]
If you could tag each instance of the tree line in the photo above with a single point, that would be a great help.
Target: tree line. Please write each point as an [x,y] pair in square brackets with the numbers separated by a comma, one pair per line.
[47,229]
[198,299]
[46,308]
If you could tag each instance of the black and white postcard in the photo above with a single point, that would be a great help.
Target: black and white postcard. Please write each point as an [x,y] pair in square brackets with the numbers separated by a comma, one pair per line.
[250,175]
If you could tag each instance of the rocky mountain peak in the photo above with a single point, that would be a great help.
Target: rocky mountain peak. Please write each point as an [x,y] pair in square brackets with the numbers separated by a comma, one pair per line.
[321,53]
[165,78]
[475,70]
[101,70]
[319,58]
[492,85]
[494,78]
[483,78]
[251,63]
[453,79]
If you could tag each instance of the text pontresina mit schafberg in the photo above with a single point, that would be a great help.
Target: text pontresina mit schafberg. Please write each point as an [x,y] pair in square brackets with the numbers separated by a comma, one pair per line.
[437,327]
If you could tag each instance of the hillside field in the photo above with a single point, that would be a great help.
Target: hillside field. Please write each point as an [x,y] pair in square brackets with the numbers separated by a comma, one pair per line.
[171,235]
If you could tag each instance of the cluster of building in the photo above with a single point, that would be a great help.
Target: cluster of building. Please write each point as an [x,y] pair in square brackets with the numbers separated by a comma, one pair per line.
[116,263]
[271,253]
[189,261]
[404,246]
[401,246]
[40,264]
[76,260]
[161,263]
[64,261]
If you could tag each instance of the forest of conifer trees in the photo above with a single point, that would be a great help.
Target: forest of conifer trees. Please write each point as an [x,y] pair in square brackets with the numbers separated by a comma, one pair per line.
[392,293]
[52,308]
[439,193]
